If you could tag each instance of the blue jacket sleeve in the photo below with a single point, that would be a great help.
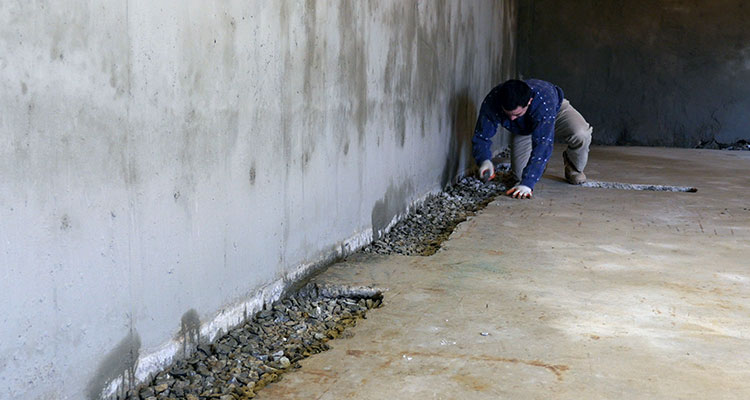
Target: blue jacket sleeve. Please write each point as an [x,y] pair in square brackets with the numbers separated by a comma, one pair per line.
[542,140]
[483,132]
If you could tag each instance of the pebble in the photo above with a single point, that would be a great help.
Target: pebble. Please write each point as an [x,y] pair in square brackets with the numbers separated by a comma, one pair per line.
[161,388]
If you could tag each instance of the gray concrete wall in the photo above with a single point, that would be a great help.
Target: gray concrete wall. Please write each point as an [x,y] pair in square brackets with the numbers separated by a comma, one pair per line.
[168,166]
[666,72]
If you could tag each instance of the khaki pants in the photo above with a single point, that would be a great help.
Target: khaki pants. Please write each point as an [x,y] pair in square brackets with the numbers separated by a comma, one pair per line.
[571,127]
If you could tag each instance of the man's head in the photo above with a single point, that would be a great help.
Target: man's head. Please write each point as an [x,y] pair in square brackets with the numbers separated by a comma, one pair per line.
[515,98]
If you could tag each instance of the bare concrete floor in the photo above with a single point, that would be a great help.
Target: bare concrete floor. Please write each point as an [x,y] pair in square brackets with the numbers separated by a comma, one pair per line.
[582,293]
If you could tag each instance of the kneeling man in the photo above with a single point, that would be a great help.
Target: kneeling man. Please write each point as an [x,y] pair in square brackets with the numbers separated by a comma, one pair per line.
[534,111]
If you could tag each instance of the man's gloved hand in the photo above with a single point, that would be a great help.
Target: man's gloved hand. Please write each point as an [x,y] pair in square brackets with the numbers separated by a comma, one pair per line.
[486,170]
[520,192]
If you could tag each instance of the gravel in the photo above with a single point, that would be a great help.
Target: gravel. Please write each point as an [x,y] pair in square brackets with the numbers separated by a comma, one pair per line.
[741,144]
[259,351]
[427,225]
[634,186]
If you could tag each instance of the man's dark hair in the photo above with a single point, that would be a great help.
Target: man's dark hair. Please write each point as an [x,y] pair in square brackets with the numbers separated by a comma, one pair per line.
[513,94]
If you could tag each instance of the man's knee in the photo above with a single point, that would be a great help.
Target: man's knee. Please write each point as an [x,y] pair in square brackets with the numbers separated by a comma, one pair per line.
[581,136]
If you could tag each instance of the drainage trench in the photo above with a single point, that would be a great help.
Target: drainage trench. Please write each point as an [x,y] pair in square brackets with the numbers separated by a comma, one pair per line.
[256,353]
[422,230]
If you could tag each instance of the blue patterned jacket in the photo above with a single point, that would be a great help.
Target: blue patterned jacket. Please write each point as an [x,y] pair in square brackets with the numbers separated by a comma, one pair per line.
[539,122]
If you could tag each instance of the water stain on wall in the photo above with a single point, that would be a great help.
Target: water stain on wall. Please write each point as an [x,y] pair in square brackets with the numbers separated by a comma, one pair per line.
[285,44]
[353,58]
[252,174]
[190,328]
[312,58]
[400,123]
[463,114]
[394,202]
[228,38]
[305,159]
[65,222]
[313,79]
[399,60]
[509,12]
[120,363]
[428,62]
[67,26]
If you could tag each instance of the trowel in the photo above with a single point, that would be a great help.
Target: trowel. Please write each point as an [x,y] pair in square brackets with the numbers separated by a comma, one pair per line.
[486,177]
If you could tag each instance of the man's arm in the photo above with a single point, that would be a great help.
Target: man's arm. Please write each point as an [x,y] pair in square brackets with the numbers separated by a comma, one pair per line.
[483,133]
[542,140]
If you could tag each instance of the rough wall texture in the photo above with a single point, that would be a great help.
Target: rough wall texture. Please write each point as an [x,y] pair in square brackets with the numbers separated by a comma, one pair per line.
[165,167]
[644,72]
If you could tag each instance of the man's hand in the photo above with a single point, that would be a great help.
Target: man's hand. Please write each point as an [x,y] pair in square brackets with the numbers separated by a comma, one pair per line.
[520,192]
[486,169]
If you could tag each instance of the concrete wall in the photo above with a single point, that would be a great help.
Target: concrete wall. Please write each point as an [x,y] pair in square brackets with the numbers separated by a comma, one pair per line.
[168,166]
[644,72]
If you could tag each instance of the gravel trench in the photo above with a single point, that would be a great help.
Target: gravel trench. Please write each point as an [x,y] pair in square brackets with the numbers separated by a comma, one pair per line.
[256,353]
[424,228]
[259,351]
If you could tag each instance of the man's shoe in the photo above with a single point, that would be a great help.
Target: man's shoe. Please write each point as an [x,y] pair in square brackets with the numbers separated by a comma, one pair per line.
[572,175]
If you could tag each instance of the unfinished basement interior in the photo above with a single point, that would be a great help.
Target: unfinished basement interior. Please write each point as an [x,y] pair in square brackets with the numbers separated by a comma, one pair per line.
[376,199]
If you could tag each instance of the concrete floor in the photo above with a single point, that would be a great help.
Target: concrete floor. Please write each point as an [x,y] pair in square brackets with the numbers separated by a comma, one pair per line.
[583,294]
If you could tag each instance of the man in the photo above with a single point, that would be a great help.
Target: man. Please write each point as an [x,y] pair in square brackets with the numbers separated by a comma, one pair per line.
[534,111]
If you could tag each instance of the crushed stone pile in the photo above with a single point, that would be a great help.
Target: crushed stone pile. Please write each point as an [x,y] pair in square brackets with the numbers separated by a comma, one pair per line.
[427,225]
[259,351]
[741,144]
